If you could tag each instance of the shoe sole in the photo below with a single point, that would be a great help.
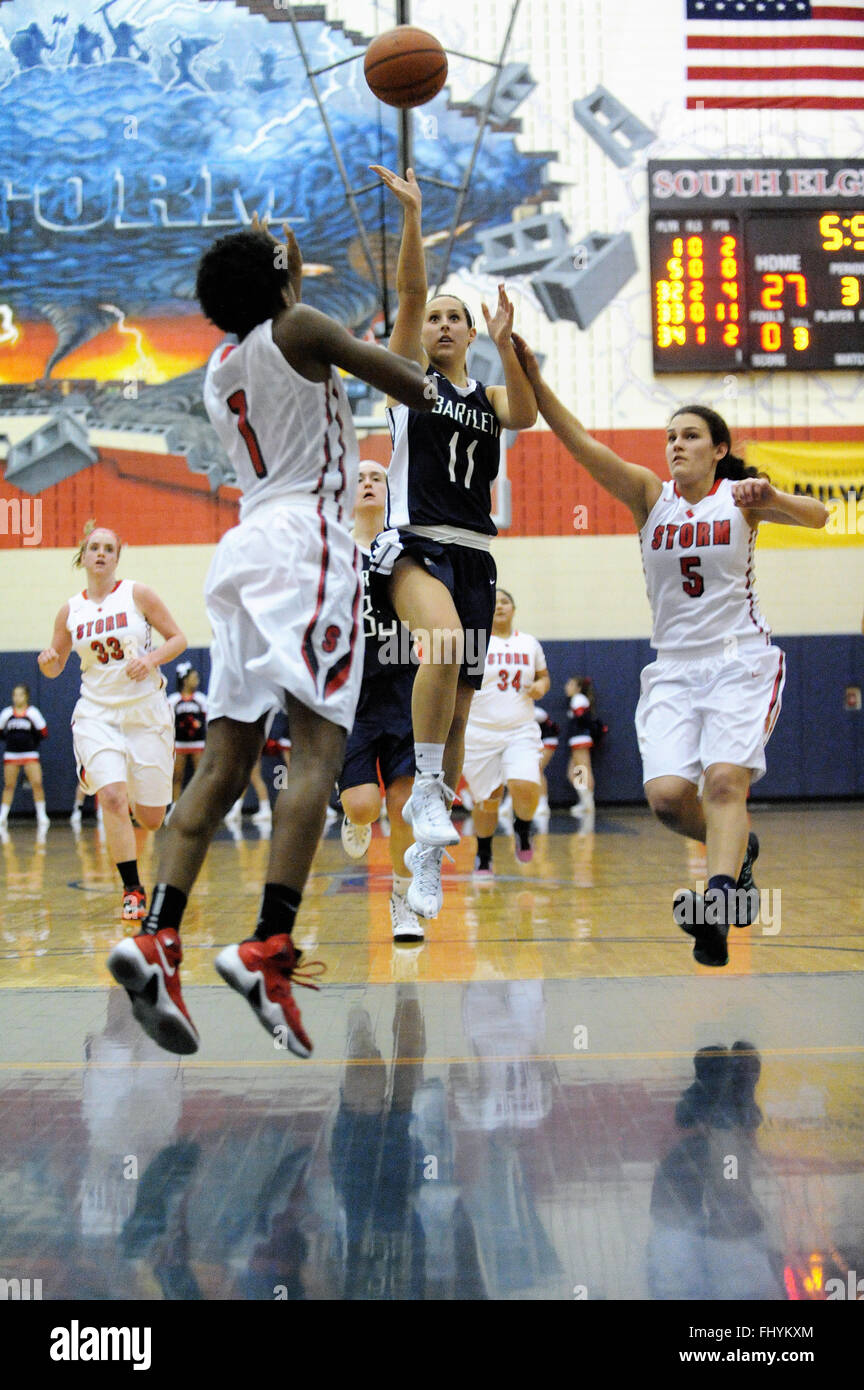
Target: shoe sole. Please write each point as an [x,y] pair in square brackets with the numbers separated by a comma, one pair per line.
[405,937]
[250,983]
[524,855]
[351,850]
[152,1006]
[482,876]
[434,838]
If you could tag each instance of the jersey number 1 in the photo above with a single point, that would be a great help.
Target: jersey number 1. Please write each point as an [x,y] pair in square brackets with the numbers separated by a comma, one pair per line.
[237,405]
[454,440]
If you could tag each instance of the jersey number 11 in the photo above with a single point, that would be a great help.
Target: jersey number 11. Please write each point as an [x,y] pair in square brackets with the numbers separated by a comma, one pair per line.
[454,440]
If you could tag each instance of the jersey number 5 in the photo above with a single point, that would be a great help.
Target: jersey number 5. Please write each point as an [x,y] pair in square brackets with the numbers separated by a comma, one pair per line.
[237,405]
[454,440]
[694,584]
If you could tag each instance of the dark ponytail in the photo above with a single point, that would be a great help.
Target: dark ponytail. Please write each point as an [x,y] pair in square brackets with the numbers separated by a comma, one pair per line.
[730,466]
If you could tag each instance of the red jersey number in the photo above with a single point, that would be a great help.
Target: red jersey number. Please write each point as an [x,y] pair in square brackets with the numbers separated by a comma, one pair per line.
[694,584]
[504,680]
[114,650]
[237,405]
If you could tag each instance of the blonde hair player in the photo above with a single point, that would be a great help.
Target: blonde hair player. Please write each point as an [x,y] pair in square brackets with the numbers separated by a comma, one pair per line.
[433,564]
[502,740]
[710,700]
[122,727]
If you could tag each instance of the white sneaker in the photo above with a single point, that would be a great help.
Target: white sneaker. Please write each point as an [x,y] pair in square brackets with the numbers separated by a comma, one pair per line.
[426,811]
[356,839]
[264,815]
[75,819]
[42,822]
[406,924]
[425,895]
[235,815]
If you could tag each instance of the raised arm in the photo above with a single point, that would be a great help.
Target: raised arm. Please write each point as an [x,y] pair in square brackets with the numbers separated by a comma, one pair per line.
[514,403]
[308,337]
[411,284]
[759,501]
[52,660]
[638,488]
[157,615]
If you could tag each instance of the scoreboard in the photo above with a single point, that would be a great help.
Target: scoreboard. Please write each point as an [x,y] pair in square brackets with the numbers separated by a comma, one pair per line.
[757,264]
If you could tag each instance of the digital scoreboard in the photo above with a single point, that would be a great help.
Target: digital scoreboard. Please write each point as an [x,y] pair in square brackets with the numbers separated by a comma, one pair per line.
[757,264]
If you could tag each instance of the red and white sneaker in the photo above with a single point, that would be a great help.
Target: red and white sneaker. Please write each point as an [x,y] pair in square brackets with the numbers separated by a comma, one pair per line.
[148,968]
[134,905]
[262,972]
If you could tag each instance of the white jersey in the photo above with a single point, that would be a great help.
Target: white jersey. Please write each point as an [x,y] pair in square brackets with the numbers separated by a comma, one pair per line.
[698,562]
[512,664]
[104,636]
[284,435]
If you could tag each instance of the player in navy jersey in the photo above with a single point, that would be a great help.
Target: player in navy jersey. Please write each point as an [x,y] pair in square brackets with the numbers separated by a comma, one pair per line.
[710,700]
[283,599]
[22,729]
[382,740]
[436,549]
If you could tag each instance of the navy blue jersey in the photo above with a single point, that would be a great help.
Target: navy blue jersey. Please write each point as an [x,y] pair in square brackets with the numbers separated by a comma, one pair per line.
[190,717]
[444,461]
[23,731]
[388,642]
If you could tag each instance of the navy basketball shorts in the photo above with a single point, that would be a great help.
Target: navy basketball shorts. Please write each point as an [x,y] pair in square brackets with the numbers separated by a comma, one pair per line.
[382,735]
[469,576]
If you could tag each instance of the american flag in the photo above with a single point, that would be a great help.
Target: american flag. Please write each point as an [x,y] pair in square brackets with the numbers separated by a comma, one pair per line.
[754,53]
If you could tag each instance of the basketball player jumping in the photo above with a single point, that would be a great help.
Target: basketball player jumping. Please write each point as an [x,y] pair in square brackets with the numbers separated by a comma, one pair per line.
[710,700]
[283,598]
[434,560]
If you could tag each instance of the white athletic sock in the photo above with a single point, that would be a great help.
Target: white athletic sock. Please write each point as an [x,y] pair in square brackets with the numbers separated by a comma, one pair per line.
[4,814]
[586,798]
[401,884]
[41,814]
[429,758]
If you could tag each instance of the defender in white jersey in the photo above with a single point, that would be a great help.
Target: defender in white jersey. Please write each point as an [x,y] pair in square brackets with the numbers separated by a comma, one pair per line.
[283,597]
[502,738]
[122,727]
[710,700]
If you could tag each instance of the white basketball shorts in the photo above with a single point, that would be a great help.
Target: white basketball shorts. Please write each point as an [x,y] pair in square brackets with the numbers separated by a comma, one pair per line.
[720,709]
[283,598]
[494,757]
[131,743]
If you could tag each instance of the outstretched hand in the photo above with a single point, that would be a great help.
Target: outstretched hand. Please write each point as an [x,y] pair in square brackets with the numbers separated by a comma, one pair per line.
[293,259]
[527,361]
[500,327]
[753,492]
[407,190]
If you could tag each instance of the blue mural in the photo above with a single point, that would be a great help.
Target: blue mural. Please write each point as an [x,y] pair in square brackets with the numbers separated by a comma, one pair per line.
[132,133]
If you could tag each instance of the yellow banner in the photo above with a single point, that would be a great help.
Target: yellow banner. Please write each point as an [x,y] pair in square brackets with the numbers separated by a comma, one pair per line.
[833,472]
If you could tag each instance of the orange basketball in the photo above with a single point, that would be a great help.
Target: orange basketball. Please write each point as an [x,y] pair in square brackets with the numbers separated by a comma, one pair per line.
[405,67]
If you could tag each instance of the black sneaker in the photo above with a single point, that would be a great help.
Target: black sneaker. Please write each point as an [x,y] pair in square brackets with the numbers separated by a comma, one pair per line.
[745,1066]
[748,909]
[698,916]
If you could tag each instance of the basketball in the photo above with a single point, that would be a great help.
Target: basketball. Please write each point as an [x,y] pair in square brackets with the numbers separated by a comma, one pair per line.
[405,67]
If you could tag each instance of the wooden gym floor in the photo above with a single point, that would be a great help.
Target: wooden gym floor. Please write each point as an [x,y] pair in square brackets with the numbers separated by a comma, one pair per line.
[504,1112]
